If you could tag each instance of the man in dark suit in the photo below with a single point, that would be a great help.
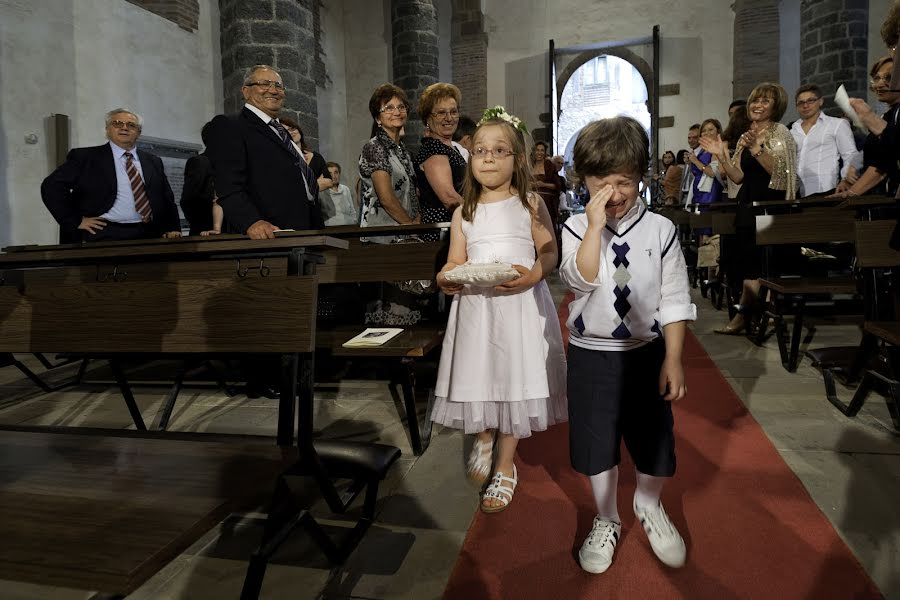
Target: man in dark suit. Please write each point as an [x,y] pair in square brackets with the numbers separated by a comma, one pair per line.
[113,191]
[262,182]
[198,194]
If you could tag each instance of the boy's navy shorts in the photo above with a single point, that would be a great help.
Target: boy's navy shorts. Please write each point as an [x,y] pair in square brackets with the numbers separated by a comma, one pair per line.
[615,396]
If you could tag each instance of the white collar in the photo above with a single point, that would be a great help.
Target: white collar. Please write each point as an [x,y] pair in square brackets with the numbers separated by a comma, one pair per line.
[630,217]
[118,151]
[265,118]
[799,122]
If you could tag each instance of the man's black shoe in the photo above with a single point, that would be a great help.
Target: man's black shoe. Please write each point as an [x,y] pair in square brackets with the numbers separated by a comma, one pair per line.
[262,392]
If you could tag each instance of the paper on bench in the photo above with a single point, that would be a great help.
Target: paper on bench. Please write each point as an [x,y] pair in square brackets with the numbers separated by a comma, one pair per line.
[372,337]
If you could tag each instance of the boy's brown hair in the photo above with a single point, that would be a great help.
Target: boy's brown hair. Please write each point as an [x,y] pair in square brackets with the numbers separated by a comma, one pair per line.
[614,145]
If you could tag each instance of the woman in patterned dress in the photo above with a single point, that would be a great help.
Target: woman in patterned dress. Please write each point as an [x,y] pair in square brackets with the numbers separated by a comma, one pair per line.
[387,175]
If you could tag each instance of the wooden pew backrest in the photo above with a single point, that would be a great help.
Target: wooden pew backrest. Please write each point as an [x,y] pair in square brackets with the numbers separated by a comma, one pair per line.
[872,249]
[381,262]
[185,316]
[812,226]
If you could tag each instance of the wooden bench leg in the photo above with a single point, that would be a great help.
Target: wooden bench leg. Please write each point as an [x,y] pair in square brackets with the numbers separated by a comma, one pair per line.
[284,516]
[8,359]
[762,324]
[780,329]
[796,335]
[169,403]
[127,395]
[419,438]
[290,365]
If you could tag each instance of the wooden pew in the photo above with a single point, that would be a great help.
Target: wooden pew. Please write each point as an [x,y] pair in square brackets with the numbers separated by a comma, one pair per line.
[790,295]
[222,298]
[411,357]
[872,252]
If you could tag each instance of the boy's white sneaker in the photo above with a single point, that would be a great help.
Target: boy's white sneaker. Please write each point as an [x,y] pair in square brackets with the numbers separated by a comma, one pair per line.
[597,551]
[665,540]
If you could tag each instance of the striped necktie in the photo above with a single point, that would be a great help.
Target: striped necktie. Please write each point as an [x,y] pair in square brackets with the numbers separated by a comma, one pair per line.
[309,180]
[141,201]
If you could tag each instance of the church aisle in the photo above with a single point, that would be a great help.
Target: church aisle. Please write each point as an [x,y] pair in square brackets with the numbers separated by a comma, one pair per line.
[752,529]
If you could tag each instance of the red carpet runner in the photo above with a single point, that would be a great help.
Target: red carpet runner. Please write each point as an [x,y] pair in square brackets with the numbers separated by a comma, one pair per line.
[751,528]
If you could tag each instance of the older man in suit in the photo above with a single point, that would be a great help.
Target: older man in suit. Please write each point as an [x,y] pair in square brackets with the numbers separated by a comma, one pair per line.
[113,191]
[262,181]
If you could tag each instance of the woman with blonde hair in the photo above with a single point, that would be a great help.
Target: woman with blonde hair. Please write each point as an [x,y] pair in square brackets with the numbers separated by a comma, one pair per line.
[439,165]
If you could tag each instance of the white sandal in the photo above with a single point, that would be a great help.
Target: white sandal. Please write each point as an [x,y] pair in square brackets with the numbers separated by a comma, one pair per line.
[479,466]
[497,491]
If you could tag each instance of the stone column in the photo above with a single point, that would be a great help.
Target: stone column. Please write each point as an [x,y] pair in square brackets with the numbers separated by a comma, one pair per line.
[834,46]
[279,33]
[414,35]
[757,45]
[469,56]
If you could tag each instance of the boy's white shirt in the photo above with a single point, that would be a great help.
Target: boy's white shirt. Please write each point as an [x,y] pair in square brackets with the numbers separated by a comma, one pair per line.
[656,278]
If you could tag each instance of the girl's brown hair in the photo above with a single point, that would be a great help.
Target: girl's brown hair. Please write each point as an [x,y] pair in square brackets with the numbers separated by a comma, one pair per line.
[521,177]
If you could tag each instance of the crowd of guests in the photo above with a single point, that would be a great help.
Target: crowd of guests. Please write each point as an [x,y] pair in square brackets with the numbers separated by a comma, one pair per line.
[503,372]
[244,180]
[757,158]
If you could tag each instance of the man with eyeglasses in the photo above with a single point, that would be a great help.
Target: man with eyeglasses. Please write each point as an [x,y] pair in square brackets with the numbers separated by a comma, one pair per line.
[113,191]
[261,179]
[821,142]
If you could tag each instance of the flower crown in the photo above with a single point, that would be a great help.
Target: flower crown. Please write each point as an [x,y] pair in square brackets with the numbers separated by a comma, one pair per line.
[499,112]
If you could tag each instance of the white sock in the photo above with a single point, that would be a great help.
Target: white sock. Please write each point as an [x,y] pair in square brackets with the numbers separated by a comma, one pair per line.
[649,488]
[604,486]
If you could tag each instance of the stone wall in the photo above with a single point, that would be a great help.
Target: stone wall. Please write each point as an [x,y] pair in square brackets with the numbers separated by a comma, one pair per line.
[469,45]
[834,45]
[415,57]
[757,45]
[280,33]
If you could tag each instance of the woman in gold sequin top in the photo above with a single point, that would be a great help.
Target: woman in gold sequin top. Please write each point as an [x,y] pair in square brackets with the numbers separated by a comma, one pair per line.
[765,163]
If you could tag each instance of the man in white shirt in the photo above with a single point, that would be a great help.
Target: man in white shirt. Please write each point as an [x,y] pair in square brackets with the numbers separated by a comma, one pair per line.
[821,141]
[687,179]
[338,207]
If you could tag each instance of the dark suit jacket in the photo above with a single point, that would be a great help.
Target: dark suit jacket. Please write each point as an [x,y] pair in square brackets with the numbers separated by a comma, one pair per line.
[85,186]
[256,176]
[198,193]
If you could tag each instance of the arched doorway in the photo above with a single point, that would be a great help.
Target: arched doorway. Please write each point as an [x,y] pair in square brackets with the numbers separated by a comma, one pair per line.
[602,86]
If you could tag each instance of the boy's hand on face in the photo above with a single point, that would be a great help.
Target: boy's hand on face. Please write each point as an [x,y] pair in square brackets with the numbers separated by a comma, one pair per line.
[671,381]
[596,207]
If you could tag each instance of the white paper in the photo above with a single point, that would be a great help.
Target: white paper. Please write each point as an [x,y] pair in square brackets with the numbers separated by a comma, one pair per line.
[843,101]
[372,337]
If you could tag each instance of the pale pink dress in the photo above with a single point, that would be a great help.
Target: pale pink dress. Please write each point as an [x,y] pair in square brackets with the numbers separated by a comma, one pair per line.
[502,363]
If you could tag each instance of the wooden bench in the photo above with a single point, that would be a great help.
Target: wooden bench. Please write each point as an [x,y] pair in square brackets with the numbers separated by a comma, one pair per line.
[106,512]
[407,356]
[201,298]
[790,296]
[849,363]
[885,375]
[403,355]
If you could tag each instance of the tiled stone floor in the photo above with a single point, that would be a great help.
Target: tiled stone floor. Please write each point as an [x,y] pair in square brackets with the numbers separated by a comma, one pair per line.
[851,467]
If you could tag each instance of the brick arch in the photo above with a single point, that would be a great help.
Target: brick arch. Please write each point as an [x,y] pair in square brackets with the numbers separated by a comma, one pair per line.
[625,54]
